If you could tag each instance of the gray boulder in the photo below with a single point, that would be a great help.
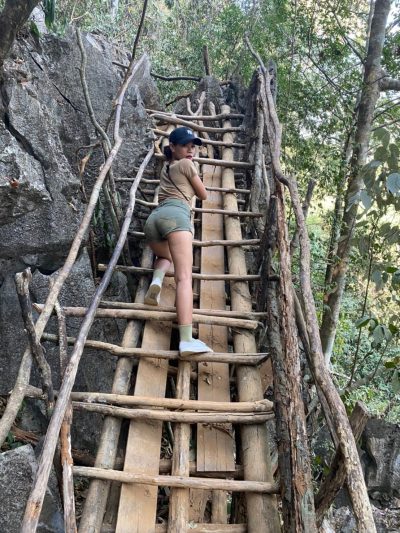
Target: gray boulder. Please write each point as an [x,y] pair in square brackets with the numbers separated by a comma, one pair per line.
[381,445]
[46,128]
[17,471]
[44,134]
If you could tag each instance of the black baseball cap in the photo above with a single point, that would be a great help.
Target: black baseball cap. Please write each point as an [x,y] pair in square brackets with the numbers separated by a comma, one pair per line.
[183,136]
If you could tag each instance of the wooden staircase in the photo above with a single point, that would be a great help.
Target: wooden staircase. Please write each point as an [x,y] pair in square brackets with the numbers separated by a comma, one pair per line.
[220,477]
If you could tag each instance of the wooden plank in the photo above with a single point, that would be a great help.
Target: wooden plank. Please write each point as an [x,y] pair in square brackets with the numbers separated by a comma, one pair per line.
[138,503]
[215,446]
[262,513]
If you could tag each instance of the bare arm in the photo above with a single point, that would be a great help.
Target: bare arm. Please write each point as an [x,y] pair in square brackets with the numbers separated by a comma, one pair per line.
[198,187]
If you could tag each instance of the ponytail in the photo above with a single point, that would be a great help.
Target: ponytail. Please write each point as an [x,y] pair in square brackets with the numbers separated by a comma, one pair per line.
[168,153]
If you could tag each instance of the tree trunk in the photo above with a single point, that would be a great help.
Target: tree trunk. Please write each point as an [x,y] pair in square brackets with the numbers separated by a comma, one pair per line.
[338,211]
[369,96]
[114,9]
[294,461]
[13,16]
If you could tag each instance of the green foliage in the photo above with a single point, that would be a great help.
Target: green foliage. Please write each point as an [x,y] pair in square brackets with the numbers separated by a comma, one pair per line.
[49,7]
[319,50]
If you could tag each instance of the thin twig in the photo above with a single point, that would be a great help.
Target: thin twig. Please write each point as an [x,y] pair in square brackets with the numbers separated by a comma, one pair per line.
[175,78]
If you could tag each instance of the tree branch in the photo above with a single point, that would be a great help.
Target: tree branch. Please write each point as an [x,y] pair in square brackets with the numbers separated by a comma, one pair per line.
[389,84]
[175,78]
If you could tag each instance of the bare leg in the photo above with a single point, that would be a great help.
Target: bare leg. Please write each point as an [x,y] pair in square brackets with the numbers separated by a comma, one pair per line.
[161,250]
[161,265]
[181,248]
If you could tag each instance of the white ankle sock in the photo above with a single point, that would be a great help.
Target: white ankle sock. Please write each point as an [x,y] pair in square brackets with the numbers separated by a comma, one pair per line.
[185,332]
[158,277]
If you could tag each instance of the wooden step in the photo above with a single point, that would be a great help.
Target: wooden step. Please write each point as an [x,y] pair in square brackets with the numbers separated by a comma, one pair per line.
[201,244]
[204,118]
[175,416]
[253,315]
[212,277]
[216,162]
[194,528]
[191,125]
[260,487]
[157,315]
[233,358]
[228,191]
[259,406]
[248,214]
[210,142]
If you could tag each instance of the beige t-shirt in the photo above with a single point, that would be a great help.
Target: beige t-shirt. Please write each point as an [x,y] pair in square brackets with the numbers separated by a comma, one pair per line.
[180,173]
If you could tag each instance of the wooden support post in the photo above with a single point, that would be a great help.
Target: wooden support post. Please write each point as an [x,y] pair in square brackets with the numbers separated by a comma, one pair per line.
[65,435]
[22,280]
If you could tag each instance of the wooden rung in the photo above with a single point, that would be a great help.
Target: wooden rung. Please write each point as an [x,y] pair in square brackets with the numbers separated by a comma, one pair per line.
[202,244]
[248,214]
[194,528]
[255,315]
[144,180]
[216,162]
[250,315]
[149,181]
[207,141]
[191,125]
[210,277]
[259,406]
[207,528]
[178,481]
[243,242]
[175,416]
[225,212]
[139,314]
[250,359]
[211,118]
[225,190]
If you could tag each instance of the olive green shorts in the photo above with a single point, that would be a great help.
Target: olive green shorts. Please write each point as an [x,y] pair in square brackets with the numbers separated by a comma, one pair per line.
[172,215]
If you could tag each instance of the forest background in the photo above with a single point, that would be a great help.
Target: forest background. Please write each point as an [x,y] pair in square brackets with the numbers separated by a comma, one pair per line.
[320,50]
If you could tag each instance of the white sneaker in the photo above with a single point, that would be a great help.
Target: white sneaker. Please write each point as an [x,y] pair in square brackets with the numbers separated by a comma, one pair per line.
[193,346]
[153,294]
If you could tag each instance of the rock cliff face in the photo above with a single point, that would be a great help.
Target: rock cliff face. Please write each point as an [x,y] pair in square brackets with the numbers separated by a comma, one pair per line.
[45,131]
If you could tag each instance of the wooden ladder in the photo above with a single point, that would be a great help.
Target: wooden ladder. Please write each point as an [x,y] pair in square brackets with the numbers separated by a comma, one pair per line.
[231,454]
